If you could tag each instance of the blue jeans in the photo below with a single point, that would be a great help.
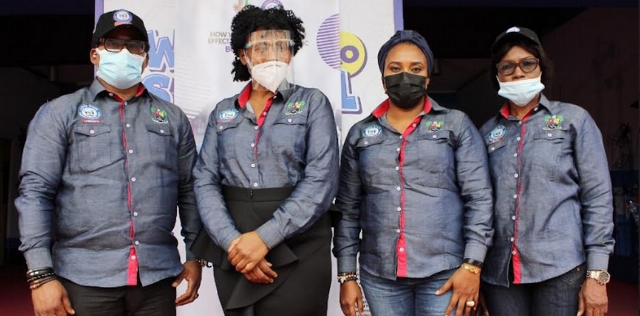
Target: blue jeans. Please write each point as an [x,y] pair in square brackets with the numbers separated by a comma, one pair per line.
[406,296]
[554,297]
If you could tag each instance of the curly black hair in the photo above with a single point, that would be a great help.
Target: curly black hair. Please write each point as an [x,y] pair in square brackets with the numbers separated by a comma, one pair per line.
[251,18]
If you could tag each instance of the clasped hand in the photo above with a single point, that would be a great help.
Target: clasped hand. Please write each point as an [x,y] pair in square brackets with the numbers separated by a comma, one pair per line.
[247,254]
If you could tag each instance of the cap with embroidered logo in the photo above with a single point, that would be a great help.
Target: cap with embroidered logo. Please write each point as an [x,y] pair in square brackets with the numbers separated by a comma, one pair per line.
[113,19]
[514,33]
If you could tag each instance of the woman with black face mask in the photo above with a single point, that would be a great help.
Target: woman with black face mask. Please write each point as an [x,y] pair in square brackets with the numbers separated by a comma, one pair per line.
[415,197]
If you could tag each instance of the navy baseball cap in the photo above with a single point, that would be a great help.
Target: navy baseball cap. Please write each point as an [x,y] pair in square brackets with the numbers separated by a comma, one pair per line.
[112,19]
[514,33]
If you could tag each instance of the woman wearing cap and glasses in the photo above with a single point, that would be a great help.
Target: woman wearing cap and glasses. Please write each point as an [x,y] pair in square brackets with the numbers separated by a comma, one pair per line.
[266,176]
[553,211]
[415,185]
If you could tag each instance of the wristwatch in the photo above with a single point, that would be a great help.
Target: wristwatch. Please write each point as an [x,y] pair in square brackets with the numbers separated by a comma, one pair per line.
[601,276]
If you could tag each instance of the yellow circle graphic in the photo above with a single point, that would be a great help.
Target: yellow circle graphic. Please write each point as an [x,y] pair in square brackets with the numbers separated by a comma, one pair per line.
[353,53]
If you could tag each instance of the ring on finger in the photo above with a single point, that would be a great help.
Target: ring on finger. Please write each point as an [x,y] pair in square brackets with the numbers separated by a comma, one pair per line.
[471,303]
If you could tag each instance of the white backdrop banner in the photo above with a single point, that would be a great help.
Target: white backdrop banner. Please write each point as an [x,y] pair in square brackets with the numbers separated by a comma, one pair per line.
[190,65]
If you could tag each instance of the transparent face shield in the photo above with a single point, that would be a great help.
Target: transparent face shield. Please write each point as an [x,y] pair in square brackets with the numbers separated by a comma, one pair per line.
[268,54]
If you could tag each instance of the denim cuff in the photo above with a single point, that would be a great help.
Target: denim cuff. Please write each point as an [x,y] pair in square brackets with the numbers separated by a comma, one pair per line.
[189,255]
[38,258]
[347,264]
[270,234]
[597,261]
[475,251]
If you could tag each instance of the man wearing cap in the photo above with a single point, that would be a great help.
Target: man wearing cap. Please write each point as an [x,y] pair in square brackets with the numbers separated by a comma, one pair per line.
[104,171]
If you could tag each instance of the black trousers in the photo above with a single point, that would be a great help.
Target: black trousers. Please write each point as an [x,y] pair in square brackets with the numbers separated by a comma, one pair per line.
[156,299]
[303,262]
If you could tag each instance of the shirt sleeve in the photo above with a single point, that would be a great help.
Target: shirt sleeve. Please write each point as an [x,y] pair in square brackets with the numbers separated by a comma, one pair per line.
[43,160]
[346,239]
[313,195]
[188,210]
[595,194]
[208,189]
[472,170]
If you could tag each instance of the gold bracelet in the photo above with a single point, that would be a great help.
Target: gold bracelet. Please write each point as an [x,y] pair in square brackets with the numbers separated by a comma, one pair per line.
[471,268]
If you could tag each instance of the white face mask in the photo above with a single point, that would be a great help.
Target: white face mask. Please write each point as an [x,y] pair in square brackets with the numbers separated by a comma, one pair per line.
[122,69]
[521,92]
[269,74]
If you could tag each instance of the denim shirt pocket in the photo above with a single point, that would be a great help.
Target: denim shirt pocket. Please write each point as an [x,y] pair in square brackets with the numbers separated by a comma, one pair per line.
[227,132]
[164,148]
[94,148]
[370,160]
[495,152]
[288,136]
[436,157]
[548,147]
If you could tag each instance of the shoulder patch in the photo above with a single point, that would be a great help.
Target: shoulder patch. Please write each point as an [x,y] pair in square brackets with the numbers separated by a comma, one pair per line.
[227,115]
[372,131]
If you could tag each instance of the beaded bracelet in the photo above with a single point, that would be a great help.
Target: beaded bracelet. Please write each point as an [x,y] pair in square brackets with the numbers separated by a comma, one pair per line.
[40,282]
[347,276]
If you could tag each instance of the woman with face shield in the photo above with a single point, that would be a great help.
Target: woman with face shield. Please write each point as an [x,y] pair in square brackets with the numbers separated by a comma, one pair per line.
[415,197]
[266,176]
[553,204]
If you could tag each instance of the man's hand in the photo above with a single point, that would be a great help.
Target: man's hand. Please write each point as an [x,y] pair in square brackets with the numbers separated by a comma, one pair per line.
[262,273]
[351,298]
[51,299]
[192,272]
[593,300]
[465,286]
[247,251]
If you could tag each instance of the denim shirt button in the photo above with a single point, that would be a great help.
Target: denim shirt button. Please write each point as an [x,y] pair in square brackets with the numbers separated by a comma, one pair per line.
[515,196]
[401,249]
[513,252]
[398,149]
[512,239]
[397,167]
[398,188]
[92,132]
[515,175]
[434,136]
[549,135]
[518,139]
[515,155]
[252,145]
[255,184]
[513,217]
[253,165]
[399,208]
[398,231]
[492,148]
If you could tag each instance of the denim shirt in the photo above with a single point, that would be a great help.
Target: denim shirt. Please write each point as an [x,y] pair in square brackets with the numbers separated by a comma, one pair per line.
[292,143]
[552,191]
[101,180]
[421,199]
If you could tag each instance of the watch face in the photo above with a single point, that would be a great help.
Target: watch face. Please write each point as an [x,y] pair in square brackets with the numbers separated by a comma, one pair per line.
[604,276]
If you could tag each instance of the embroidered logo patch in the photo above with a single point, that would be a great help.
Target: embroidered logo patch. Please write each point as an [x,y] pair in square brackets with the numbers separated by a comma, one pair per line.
[90,113]
[158,115]
[496,134]
[372,131]
[553,122]
[227,115]
[294,108]
[122,17]
[434,126]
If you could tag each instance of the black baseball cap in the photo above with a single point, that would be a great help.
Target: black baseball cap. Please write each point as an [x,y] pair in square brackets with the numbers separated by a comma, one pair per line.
[112,19]
[514,33]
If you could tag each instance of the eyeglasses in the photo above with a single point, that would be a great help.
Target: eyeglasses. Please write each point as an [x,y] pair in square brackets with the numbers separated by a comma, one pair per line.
[527,65]
[115,45]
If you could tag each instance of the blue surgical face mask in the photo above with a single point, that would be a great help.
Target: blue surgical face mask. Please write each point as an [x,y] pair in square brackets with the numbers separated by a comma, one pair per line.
[122,69]
[521,92]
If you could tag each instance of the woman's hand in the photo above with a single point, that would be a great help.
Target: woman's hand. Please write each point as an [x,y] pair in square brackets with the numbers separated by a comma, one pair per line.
[262,273]
[465,285]
[350,297]
[247,251]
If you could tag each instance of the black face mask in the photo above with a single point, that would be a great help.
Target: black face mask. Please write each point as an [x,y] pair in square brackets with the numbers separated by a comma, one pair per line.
[405,90]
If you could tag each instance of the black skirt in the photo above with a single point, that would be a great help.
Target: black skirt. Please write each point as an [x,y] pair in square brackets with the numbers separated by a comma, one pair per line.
[303,262]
